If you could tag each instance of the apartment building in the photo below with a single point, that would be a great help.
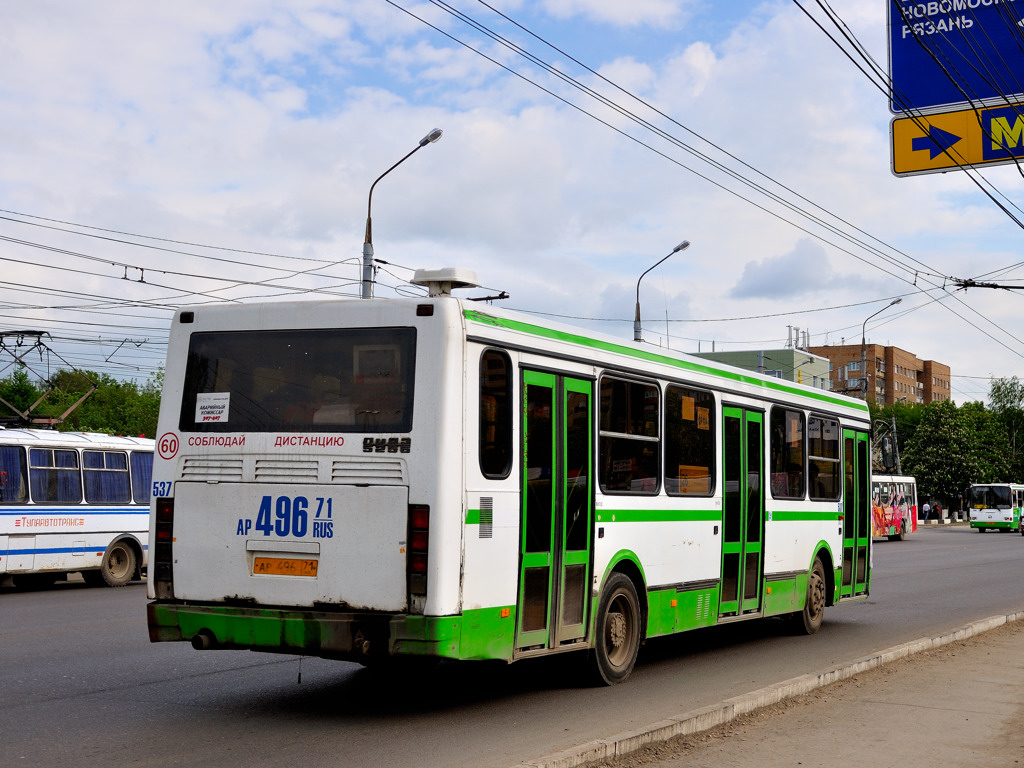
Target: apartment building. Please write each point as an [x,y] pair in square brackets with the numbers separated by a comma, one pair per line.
[890,374]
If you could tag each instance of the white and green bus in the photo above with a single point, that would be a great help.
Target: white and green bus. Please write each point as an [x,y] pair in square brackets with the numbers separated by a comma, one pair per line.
[432,477]
[996,506]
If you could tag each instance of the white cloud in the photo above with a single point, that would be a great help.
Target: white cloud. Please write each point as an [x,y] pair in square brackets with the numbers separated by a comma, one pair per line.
[662,13]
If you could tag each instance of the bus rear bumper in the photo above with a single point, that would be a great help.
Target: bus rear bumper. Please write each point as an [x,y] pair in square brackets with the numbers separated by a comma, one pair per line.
[360,637]
[348,636]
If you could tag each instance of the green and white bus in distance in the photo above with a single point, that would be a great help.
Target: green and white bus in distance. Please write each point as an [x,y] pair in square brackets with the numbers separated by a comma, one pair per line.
[996,507]
[381,478]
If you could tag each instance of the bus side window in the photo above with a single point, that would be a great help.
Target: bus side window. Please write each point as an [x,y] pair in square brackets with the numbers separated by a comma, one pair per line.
[823,448]
[495,414]
[787,453]
[690,448]
[629,443]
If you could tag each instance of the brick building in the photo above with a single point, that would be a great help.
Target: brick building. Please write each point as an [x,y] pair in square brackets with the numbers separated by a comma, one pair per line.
[893,374]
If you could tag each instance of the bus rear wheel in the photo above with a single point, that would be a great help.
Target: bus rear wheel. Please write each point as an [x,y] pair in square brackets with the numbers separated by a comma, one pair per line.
[808,621]
[117,568]
[901,535]
[618,631]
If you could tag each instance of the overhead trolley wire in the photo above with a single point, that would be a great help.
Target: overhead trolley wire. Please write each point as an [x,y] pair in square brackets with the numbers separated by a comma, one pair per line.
[917,274]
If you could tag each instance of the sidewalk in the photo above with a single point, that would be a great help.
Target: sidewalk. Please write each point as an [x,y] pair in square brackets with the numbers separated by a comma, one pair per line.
[955,700]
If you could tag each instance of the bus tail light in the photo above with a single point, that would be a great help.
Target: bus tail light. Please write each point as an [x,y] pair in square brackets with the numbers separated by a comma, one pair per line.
[416,559]
[163,549]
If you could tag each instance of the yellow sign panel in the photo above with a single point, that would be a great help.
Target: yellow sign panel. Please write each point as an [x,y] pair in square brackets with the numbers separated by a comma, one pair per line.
[965,138]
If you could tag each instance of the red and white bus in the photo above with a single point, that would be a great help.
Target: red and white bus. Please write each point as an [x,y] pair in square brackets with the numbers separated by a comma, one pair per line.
[893,506]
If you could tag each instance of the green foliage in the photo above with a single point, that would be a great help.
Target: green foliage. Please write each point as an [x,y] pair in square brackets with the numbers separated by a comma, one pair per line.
[17,390]
[115,407]
[1006,399]
[952,447]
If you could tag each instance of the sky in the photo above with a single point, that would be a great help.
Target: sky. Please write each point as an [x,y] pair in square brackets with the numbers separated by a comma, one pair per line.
[159,155]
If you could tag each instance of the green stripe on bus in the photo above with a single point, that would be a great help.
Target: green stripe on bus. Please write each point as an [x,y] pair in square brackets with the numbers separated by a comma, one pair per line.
[784,515]
[777,385]
[656,515]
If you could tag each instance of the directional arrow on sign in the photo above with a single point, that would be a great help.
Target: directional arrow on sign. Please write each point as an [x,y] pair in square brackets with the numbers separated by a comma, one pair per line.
[936,142]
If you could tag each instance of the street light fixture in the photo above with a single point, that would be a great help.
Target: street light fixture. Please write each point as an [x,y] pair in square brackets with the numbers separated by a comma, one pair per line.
[637,331]
[367,277]
[863,348]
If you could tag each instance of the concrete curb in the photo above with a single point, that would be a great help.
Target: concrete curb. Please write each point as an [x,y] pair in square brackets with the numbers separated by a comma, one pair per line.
[704,719]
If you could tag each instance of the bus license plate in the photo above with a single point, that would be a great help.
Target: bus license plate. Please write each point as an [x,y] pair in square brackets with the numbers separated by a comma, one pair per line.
[284,566]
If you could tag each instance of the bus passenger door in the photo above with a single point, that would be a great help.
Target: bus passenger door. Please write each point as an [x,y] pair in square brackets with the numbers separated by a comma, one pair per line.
[557,510]
[743,514]
[856,513]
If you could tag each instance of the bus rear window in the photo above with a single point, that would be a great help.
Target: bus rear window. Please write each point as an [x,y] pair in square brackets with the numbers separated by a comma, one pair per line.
[333,380]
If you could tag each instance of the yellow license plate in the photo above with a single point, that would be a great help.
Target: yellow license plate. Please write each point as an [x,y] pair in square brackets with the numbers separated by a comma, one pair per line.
[284,566]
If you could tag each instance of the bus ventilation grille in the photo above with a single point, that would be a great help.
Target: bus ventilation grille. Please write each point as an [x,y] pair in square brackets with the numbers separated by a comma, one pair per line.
[359,471]
[286,471]
[486,517]
[222,468]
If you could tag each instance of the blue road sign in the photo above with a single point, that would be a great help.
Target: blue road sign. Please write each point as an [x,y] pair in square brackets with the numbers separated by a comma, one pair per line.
[954,52]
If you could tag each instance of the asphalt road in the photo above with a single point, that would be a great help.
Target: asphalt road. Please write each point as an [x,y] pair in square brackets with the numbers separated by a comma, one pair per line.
[83,684]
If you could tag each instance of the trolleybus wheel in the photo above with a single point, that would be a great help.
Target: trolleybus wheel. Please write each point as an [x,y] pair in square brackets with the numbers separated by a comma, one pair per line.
[808,621]
[618,631]
[118,566]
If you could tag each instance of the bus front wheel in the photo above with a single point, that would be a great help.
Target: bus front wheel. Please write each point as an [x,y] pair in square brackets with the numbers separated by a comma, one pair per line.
[618,631]
[808,621]
[117,568]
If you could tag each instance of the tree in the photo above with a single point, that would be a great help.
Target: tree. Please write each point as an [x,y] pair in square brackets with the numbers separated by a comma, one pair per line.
[954,447]
[1006,398]
[116,407]
[18,390]
[907,417]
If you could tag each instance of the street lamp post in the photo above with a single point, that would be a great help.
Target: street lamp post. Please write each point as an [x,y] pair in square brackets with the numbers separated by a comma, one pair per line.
[863,349]
[637,331]
[367,277]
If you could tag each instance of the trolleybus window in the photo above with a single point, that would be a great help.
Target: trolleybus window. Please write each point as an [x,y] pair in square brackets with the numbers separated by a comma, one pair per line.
[689,441]
[337,380]
[13,485]
[495,414]
[142,476]
[629,445]
[54,475]
[106,477]
[787,454]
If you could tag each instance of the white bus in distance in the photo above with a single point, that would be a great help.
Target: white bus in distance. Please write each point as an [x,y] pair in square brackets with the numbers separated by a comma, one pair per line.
[369,479]
[996,507]
[73,502]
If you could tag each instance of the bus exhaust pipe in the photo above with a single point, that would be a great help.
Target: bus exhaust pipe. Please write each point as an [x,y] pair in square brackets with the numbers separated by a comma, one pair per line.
[203,640]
